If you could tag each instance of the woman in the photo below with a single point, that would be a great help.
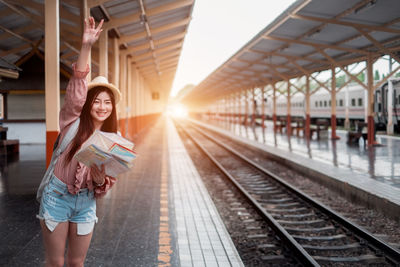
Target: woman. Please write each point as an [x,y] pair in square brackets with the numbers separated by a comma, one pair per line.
[68,202]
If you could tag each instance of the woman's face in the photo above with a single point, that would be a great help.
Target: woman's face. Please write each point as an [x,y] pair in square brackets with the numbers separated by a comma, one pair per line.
[101,108]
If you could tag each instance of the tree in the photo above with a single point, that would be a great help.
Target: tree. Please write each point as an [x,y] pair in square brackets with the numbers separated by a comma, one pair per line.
[340,81]
[377,76]
[361,76]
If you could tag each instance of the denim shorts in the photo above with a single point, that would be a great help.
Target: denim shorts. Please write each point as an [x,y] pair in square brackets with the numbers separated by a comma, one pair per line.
[58,205]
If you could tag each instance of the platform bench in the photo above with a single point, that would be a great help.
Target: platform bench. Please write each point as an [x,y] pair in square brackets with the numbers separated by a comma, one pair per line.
[9,147]
[280,124]
[298,125]
[321,128]
[354,136]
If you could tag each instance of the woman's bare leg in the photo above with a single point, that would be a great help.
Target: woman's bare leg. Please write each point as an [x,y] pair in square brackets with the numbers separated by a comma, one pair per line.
[78,246]
[54,243]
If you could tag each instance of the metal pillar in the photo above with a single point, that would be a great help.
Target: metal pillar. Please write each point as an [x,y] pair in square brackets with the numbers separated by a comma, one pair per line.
[346,103]
[219,112]
[240,111]
[226,118]
[103,54]
[389,127]
[274,105]
[288,117]
[253,116]
[370,86]
[368,75]
[246,107]
[333,105]
[128,108]
[263,97]
[122,105]
[233,118]
[308,118]
[116,62]
[52,74]
[230,112]
[238,108]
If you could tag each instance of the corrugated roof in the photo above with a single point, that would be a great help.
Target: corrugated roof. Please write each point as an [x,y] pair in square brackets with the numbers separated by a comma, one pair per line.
[150,31]
[310,36]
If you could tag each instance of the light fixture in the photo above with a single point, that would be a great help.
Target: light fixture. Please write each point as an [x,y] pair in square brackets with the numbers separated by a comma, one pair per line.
[13,74]
[143,18]
[314,32]
[366,6]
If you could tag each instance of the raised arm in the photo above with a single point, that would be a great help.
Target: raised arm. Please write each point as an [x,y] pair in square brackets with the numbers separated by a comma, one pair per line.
[75,96]
[90,35]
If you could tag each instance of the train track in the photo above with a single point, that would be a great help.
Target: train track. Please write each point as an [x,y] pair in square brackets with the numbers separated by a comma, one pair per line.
[315,234]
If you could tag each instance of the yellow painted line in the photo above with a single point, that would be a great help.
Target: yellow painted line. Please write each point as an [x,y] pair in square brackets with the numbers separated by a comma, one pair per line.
[164,237]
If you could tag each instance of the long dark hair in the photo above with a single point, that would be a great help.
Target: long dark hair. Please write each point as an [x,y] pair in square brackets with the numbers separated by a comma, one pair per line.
[86,126]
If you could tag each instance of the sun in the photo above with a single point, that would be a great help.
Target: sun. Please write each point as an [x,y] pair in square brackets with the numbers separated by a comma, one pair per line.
[177,111]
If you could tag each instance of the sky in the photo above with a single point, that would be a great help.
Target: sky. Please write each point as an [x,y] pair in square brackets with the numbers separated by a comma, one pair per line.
[218,29]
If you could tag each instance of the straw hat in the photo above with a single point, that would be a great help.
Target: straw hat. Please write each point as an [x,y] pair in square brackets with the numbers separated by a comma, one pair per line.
[101,81]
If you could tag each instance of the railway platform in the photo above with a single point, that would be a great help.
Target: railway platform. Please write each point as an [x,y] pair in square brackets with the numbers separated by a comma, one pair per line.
[367,174]
[158,214]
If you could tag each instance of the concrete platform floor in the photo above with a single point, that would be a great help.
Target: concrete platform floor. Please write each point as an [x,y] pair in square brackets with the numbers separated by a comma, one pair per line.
[381,163]
[158,214]
[127,232]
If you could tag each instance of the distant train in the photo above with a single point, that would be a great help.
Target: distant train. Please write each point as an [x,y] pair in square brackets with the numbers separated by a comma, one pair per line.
[320,106]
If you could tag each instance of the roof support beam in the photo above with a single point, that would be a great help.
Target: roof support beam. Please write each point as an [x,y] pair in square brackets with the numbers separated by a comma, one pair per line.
[152,71]
[307,73]
[258,76]
[133,37]
[156,43]
[265,64]
[345,23]
[150,38]
[40,19]
[334,63]
[162,57]
[15,50]
[16,35]
[67,55]
[379,45]
[382,49]
[167,49]
[64,13]
[317,45]
[288,56]
[145,66]
[93,3]
[19,31]
[355,36]
[37,20]
[117,22]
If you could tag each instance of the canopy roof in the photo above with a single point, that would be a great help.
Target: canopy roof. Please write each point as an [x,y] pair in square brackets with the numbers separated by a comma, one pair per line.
[150,31]
[310,36]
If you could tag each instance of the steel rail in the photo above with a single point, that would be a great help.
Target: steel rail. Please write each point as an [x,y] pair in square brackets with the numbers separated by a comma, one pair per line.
[376,244]
[301,254]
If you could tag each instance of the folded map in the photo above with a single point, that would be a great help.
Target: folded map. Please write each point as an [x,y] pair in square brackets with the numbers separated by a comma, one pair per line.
[110,149]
